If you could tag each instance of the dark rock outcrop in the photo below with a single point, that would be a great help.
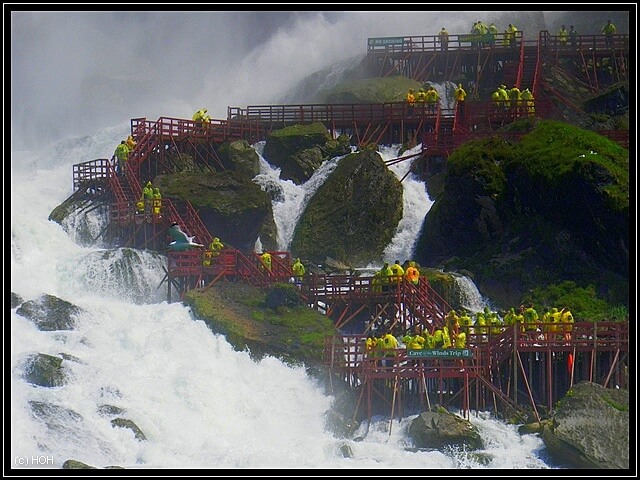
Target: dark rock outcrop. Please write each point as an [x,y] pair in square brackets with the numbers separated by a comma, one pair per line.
[590,428]
[241,157]
[57,418]
[75,465]
[295,150]
[229,203]
[440,429]
[131,425]
[352,217]
[50,313]
[300,149]
[515,214]
[77,214]
[16,300]
[44,370]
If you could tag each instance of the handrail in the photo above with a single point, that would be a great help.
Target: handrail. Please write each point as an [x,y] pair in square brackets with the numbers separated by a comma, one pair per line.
[609,336]
[552,43]
[431,43]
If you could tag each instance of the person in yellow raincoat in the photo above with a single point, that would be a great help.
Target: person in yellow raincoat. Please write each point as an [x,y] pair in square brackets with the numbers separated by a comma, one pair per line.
[201,116]
[213,251]
[122,155]
[265,258]
[157,202]
[131,143]
[298,271]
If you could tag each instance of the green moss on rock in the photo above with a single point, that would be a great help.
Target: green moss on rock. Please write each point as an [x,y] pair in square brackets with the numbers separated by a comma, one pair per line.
[373,90]
[514,214]
[352,217]
[281,327]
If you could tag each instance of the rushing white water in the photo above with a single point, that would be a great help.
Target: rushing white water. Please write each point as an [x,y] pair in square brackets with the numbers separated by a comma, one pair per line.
[471,298]
[415,202]
[198,402]
[289,199]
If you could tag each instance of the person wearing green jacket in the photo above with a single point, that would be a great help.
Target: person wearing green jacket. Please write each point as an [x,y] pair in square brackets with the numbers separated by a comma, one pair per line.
[265,258]
[122,155]
[563,36]
[608,31]
[298,271]
[147,195]
[385,277]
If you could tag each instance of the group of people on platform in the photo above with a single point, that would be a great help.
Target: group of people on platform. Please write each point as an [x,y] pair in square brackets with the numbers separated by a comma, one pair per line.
[390,275]
[201,116]
[385,345]
[571,36]
[481,35]
[150,202]
[429,97]
[486,35]
[487,323]
[565,36]
[460,328]
[503,98]
[514,100]
[121,154]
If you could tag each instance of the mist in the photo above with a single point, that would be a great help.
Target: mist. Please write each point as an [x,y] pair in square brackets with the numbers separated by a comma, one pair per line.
[75,73]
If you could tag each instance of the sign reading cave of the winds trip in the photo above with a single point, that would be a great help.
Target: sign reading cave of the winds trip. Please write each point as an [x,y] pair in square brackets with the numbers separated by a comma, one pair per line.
[441,353]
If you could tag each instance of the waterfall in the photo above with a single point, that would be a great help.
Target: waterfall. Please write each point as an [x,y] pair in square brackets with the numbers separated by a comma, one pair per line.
[288,199]
[470,297]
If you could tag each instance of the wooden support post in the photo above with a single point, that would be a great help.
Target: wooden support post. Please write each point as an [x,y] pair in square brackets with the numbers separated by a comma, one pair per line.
[526,382]
[549,382]
[426,392]
[613,365]
[516,332]
[393,403]
[573,366]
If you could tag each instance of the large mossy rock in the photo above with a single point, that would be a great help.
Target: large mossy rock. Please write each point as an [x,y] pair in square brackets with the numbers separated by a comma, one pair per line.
[50,313]
[352,217]
[44,370]
[553,207]
[441,429]
[590,428]
[230,204]
[373,90]
[299,150]
[274,321]
[241,157]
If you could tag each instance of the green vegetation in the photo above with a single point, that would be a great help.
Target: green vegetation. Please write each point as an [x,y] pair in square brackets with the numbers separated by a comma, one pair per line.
[372,90]
[482,160]
[296,130]
[617,406]
[582,301]
[555,149]
[273,321]
[514,214]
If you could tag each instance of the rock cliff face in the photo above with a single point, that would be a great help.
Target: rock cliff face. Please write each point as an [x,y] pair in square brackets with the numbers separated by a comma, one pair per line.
[590,428]
[230,205]
[353,215]
[300,149]
[552,207]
